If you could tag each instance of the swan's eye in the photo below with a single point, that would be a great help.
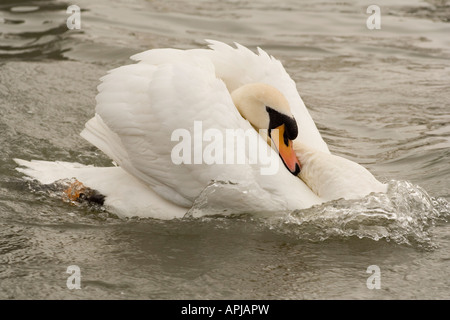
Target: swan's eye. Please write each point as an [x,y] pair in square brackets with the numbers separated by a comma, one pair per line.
[286,139]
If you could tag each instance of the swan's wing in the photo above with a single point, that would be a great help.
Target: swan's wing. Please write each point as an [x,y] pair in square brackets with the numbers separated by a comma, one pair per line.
[138,108]
[239,66]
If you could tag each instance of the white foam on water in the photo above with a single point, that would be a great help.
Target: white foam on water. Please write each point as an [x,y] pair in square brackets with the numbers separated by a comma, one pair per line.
[403,215]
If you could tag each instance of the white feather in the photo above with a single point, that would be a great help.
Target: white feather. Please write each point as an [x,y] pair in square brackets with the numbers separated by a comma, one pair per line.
[126,196]
[140,105]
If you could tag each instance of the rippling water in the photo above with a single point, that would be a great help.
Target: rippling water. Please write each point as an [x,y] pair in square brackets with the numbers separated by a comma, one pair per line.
[380,98]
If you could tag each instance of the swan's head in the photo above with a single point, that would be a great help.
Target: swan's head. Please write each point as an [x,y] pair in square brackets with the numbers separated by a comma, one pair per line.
[265,107]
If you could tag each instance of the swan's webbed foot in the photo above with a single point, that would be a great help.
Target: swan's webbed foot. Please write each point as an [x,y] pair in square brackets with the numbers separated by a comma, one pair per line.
[77,192]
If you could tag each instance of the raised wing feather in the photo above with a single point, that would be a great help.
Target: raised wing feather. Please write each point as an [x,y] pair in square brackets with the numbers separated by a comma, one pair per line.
[138,108]
[239,66]
[140,105]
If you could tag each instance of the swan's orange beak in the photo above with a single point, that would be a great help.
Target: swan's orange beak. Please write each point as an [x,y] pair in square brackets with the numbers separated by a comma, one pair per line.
[285,149]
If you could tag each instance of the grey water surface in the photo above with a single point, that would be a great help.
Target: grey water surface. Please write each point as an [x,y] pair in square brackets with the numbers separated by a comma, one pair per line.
[379,97]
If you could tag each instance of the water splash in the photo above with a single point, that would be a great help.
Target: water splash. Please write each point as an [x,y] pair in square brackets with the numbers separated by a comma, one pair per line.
[60,190]
[222,198]
[404,215]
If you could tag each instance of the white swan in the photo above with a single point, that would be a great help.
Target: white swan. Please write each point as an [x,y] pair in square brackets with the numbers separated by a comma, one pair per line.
[140,105]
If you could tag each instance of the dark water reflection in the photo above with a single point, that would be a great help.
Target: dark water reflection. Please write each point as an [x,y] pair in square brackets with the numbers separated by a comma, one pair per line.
[32,30]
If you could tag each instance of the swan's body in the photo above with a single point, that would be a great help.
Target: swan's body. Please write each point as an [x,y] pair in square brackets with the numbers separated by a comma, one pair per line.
[139,106]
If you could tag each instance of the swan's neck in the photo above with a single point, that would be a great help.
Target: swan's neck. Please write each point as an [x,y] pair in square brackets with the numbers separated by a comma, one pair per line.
[314,166]
[251,100]
[305,153]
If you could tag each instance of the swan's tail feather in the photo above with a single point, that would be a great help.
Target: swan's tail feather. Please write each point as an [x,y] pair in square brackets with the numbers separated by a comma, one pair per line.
[47,172]
[67,173]
[113,187]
